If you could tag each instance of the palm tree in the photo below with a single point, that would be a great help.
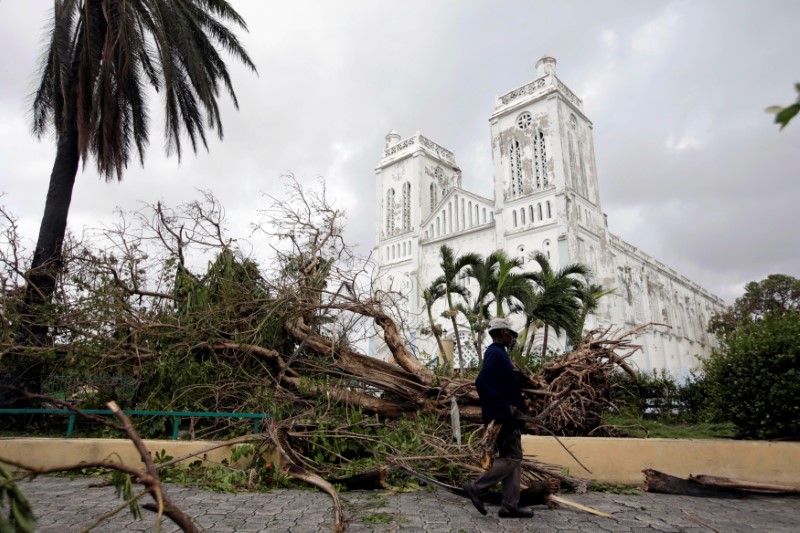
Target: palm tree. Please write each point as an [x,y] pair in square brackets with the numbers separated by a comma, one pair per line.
[430,295]
[589,295]
[477,313]
[448,281]
[558,304]
[509,287]
[100,60]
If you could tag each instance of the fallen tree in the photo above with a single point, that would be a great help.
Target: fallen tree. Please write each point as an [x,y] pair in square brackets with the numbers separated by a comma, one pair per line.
[710,486]
[284,338]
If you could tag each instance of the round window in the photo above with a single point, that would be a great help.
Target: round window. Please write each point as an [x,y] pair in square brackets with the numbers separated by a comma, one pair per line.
[524,121]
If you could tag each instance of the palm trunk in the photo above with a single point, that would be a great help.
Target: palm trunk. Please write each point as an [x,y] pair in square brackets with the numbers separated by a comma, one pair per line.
[544,341]
[435,333]
[532,336]
[479,341]
[46,262]
[458,339]
[452,312]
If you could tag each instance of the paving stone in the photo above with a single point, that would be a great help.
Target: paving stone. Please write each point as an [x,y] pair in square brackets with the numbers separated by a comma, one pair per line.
[63,505]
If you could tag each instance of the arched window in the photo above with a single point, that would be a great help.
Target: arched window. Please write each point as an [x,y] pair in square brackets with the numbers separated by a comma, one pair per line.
[438,227]
[406,206]
[477,214]
[530,212]
[539,208]
[433,197]
[444,222]
[394,251]
[514,215]
[516,168]
[549,213]
[458,218]
[390,212]
[463,217]
[539,160]
[469,210]
[491,216]
[522,216]
[404,249]
[484,215]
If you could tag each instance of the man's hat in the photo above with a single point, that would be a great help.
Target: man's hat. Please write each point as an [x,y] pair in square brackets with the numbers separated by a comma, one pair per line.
[500,323]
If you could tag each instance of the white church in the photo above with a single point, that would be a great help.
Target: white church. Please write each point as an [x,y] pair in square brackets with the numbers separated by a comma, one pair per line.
[546,197]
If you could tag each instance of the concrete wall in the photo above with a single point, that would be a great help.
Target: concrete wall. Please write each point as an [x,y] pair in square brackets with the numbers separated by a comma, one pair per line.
[622,460]
[46,453]
[610,460]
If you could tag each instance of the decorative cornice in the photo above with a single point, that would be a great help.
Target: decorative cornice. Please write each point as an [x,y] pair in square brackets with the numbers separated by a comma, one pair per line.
[439,151]
[537,87]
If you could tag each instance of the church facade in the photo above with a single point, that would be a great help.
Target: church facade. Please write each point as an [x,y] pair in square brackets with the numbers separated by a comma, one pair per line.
[546,197]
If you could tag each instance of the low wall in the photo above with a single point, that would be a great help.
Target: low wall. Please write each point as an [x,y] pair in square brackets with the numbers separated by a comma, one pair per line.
[613,460]
[41,452]
[610,460]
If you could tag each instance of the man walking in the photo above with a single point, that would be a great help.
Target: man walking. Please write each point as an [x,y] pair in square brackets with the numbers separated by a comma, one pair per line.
[500,399]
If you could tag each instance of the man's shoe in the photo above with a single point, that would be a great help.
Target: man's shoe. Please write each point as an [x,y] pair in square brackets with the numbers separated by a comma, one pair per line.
[472,494]
[515,513]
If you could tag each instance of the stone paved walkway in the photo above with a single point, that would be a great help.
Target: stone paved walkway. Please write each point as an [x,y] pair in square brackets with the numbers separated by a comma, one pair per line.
[64,506]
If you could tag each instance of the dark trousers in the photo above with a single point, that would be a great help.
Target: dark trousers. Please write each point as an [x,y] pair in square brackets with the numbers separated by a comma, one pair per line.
[505,469]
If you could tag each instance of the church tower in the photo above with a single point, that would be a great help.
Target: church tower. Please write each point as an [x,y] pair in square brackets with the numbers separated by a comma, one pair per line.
[414,176]
[544,172]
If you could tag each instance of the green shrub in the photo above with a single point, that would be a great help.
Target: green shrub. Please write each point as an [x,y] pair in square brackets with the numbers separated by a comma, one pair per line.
[755,380]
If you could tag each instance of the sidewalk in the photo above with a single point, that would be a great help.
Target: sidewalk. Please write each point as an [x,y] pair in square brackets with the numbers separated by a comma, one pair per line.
[64,506]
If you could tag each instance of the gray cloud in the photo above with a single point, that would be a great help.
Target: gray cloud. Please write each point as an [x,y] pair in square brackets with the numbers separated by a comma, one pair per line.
[691,169]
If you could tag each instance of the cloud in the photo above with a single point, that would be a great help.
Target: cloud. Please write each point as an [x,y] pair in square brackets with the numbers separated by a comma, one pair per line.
[691,169]
[655,37]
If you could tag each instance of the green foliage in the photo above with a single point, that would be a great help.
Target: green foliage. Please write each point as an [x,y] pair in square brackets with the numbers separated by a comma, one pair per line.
[224,477]
[20,517]
[629,425]
[777,294]
[383,518]
[616,488]
[658,395]
[124,489]
[783,115]
[755,379]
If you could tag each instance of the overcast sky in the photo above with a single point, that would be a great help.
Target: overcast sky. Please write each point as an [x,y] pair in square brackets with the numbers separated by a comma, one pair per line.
[691,168]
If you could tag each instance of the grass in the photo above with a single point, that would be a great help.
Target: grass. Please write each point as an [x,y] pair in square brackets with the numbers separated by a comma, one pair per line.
[630,426]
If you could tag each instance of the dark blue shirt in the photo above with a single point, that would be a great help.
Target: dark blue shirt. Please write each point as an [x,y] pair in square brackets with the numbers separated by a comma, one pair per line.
[497,385]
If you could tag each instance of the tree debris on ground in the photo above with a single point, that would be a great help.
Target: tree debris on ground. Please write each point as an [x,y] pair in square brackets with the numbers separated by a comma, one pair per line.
[710,486]
[285,339]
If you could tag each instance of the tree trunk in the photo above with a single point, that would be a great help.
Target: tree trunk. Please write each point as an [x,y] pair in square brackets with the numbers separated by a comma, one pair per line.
[46,263]
[544,341]
[435,332]
[452,314]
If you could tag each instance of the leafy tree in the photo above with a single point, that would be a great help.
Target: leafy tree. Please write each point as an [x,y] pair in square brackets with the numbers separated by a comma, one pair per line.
[783,115]
[95,71]
[777,294]
[755,380]
[452,268]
